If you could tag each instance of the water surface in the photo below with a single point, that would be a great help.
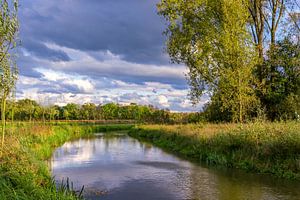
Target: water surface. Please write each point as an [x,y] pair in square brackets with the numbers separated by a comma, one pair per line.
[116,166]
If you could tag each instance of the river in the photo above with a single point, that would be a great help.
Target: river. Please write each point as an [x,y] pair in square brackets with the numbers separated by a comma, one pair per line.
[115,166]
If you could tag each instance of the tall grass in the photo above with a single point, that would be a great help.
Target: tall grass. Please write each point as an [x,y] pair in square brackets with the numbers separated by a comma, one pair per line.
[23,171]
[272,148]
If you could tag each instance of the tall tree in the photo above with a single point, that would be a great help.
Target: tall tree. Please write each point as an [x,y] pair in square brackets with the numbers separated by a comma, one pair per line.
[8,71]
[211,38]
[283,62]
[257,26]
[266,20]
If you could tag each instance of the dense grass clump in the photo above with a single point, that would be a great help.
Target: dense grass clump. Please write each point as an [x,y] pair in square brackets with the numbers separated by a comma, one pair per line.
[24,174]
[272,148]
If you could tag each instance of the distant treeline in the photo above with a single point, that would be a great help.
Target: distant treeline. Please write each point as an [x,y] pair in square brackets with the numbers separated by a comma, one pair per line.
[30,110]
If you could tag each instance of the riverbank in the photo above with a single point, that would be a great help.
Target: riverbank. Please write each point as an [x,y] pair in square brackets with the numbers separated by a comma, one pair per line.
[23,171]
[272,148]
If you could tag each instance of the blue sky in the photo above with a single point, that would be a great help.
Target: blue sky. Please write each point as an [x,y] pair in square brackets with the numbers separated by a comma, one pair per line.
[97,51]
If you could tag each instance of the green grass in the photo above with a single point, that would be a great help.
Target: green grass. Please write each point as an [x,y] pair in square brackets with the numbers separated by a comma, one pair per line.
[272,148]
[24,173]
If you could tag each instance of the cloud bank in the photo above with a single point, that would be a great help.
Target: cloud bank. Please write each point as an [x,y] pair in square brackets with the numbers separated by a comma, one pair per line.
[98,51]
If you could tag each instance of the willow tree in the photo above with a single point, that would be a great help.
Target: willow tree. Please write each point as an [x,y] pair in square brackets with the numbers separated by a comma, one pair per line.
[8,69]
[211,39]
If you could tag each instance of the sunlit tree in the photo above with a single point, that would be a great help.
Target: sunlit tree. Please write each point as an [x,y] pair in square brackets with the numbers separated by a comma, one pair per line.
[8,69]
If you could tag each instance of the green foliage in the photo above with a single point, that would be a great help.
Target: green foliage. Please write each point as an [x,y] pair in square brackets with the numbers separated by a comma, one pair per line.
[260,147]
[211,38]
[71,111]
[244,75]
[89,111]
[8,26]
[281,95]
[213,111]
[29,110]
[8,69]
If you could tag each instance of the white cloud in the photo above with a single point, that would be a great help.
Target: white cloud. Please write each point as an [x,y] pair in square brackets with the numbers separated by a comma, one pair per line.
[85,86]
[83,63]
[52,89]
[88,78]
[82,83]
[163,101]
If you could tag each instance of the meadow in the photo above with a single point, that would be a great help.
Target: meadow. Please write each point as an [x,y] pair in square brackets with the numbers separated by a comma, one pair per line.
[263,147]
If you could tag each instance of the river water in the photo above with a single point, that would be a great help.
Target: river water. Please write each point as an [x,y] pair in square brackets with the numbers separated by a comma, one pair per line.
[115,166]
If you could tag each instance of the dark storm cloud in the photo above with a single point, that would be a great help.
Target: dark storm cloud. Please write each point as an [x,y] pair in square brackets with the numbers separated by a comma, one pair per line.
[115,69]
[26,67]
[177,83]
[42,51]
[97,50]
[130,28]
[60,89]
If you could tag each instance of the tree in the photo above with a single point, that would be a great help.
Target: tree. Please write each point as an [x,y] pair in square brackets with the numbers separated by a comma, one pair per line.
[265,22]
[8,72]
[71,111]
[54,112]
[211,38]
[27,110]
[294,28]
[283,62]
[88,111]
[110,111]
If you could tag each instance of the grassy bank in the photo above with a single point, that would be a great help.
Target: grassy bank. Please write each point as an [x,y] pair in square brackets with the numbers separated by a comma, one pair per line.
[23,171]
[272,148]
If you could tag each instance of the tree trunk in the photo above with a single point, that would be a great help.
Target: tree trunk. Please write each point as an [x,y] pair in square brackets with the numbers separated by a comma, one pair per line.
[13,114]
[257,14]
[240,100]
[3,107]
[260,39]
[44,120]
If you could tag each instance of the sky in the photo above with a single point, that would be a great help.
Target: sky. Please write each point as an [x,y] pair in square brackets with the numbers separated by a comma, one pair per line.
[98,51]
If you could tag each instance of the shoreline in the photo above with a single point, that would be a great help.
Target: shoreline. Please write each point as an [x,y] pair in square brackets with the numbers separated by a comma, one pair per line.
[267,148]
[23,168]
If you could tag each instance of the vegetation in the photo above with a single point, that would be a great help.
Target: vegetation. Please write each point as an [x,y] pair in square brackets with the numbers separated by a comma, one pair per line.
[272,148]
[24,172]
[233,53]
[8,70]
[29,110]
